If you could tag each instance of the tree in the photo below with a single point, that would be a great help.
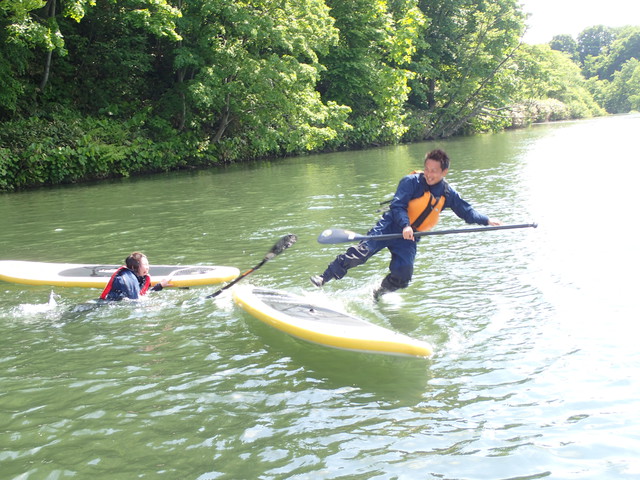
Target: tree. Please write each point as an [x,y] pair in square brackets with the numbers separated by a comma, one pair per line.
[93,88]
[462,77]
[634,84]
[26,26]
[566,44]
[594,41]
[625,47]
[252,72]
[42,27]
[623,92]
[550,85]
[366,69]
[111,62]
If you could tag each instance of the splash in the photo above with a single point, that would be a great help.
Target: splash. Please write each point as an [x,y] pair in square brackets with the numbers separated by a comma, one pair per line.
[30,308]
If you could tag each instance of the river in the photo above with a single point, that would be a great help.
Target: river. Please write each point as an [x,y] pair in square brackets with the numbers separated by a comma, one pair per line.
[536,364]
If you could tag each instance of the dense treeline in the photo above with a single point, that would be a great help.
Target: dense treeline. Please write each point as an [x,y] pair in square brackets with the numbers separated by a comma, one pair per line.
[609,59]
[92,89]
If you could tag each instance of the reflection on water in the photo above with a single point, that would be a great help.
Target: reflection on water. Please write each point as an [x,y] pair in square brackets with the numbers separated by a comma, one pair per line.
[535,364]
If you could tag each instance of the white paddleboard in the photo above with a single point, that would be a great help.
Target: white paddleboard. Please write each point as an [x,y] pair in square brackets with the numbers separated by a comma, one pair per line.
[313,322]
[97,276]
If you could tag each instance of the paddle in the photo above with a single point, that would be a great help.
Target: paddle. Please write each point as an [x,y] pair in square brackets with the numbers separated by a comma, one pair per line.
[282,244]
[336,235]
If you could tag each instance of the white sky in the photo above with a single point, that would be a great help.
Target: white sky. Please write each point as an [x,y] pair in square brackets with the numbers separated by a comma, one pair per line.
[556,17]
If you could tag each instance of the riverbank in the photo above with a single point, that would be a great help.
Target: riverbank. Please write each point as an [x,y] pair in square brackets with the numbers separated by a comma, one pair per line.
[64,148]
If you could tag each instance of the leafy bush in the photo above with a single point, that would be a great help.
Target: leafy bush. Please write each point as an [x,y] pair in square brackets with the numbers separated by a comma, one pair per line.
[65,148]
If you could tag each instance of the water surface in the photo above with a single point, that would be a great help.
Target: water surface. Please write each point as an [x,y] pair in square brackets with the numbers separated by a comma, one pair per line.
[536,363]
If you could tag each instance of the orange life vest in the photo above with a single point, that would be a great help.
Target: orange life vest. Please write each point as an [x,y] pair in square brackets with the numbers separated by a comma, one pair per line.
[424,211]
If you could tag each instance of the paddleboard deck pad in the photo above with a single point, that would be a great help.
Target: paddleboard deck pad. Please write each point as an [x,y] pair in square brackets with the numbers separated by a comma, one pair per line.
[323,325]
[97,276]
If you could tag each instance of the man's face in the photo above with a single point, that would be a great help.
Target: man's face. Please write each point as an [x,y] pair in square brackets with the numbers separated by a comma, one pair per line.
[433,171]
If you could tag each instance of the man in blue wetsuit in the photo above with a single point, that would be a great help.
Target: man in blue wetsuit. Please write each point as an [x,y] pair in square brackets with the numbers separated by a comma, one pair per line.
[416,206]
[131,281]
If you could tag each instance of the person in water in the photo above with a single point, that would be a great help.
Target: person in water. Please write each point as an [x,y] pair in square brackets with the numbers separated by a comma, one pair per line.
[416,206]
[132,280]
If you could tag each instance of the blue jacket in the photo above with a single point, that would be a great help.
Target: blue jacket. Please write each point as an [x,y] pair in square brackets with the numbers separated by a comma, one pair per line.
[126,284]
[413,186]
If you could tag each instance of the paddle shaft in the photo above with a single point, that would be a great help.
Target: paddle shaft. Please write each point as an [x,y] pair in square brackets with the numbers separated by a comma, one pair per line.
[343,236]
[284,243]
[236,280]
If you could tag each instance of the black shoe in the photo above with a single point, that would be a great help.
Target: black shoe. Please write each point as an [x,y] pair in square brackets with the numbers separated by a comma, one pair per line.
[317,280]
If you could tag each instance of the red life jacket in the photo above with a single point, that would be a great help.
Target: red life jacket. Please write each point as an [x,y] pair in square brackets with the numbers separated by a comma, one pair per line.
[143,288]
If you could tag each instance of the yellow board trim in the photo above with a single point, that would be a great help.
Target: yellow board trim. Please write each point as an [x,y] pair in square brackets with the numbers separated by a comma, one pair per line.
[408,347]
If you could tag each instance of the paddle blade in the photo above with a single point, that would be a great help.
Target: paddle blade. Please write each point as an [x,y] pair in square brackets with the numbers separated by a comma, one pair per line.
[336,235]
[282,244]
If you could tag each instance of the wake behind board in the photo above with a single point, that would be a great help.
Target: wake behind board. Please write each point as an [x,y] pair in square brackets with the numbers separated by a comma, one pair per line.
[323,325]
[97,276]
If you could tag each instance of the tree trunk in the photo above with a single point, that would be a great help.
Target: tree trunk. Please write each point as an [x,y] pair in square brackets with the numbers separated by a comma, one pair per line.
[431,94]
[51,13]
[224,121]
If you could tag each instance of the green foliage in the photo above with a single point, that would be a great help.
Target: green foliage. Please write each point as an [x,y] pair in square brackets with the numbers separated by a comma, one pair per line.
[610,67]
[11,88]
[622,94]
[25,25]
[154,16]
[565,44]
[593,41]
[65,148]
[250,89]
[366,70]
[91,89]
[625,47]
[550,87]
[462,76]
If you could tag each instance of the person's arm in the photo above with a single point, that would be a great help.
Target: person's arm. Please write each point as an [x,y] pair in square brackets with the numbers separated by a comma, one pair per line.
[466,212]
[400,203]
[161,284]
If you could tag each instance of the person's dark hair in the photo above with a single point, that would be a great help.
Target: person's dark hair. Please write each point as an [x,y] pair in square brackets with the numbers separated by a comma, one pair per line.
[439,156]
[133,261]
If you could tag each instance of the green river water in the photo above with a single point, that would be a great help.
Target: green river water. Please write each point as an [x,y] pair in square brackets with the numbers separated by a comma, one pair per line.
[536,364]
